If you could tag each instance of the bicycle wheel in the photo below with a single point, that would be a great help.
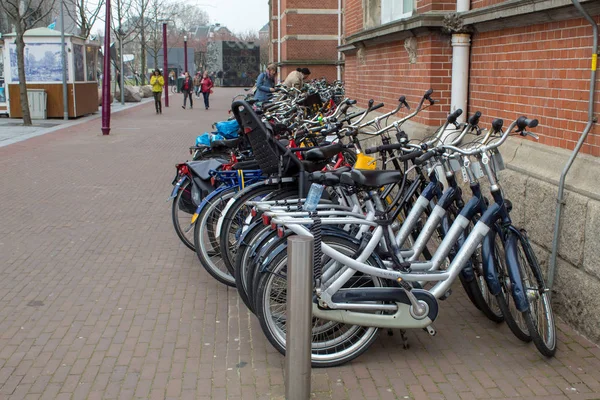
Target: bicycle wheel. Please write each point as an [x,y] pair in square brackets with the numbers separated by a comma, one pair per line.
[512,316]
[206,240]
[235,221]
[182,210]
[244,260]
[539,317]
[333,343]
[477,289]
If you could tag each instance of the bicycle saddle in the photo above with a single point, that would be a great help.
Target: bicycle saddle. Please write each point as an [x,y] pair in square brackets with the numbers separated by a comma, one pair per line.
[230,144]
[329,178]
[250,164]
[323,152]
[375,178]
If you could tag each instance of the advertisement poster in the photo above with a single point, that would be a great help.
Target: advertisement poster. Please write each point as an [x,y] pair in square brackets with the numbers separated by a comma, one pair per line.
[42,62]
[79,65]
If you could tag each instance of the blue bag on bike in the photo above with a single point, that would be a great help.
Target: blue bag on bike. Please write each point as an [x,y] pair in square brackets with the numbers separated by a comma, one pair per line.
[206,138]
[229,129]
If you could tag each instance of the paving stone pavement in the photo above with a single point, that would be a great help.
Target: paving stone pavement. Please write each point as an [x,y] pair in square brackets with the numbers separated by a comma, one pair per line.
[100,300]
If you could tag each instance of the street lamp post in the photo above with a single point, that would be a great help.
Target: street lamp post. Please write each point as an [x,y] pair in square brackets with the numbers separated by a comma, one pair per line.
[121,75]
[106,74]
[63,55]
[185,68]
[165,64]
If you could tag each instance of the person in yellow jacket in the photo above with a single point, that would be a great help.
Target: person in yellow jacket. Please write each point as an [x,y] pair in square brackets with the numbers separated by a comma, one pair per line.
[157,81]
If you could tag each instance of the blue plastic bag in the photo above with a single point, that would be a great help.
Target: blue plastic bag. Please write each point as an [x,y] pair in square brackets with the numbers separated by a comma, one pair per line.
[229,129]
[206,138]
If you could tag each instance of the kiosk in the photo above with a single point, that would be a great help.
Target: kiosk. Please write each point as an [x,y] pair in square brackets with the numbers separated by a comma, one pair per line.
[43,72]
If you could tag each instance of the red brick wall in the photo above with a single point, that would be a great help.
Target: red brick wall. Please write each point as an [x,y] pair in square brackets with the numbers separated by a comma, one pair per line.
[320,4]
[309,50]
[435,5]
[541,71]
[353,17]
[484,3]
[387,74]
[306,24]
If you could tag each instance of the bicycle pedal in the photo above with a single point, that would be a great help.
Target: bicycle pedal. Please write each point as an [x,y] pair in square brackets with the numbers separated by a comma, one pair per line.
[446,295]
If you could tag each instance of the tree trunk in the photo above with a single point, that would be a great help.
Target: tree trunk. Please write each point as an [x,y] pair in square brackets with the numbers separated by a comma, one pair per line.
[143,42]
[22,81]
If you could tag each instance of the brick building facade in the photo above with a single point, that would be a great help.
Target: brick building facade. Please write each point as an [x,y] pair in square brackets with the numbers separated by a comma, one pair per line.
[309,36]
[525,58]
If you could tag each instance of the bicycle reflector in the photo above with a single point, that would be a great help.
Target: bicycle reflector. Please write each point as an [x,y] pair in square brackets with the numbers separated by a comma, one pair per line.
[266,219]
[273,226]
[183,169]
[280,232]
[253,212]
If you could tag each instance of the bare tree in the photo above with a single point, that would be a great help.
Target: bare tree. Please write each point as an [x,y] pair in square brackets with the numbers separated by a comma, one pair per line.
[85,13]
[24,15]
[140,9]
[247,36]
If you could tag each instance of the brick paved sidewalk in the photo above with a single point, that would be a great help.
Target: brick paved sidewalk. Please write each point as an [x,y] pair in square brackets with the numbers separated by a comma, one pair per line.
[100,300]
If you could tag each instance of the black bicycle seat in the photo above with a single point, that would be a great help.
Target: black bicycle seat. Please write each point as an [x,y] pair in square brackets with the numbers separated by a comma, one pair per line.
[230,144]
[250,164]
[323,152]
[320,176]
[375,178]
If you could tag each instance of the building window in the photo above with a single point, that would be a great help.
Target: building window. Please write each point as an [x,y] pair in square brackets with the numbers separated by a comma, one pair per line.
[393,10]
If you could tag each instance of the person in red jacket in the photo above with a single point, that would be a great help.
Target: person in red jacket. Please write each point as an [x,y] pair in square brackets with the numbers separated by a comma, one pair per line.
[206,85]
[187,88]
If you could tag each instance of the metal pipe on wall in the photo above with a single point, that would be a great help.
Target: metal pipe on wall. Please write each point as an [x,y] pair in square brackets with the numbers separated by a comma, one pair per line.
[339,66]
[461,43]
[561,185]
[279,39]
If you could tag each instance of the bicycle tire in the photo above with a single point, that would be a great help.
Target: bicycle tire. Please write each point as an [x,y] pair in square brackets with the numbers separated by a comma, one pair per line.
[242,260]
[514,318]
[174,216]
[359,338]
[539,317]
[208,252]
[234,222]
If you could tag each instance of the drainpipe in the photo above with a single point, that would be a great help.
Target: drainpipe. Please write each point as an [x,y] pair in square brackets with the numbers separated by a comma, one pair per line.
[561,185]
[339,66]
[279,39]
[461,43]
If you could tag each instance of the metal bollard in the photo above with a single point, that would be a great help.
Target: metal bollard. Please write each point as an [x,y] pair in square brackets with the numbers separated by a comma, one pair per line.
[299,317]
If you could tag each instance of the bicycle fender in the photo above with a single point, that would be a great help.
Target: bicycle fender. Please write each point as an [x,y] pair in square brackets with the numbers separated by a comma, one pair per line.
[232,201]
[177,187]
[512,264]
[488,255]
[247,231]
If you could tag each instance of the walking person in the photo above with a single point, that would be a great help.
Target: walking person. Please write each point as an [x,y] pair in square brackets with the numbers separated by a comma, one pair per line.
[197,79]
[265,84]
[206,85]
[187,87]
[157,81]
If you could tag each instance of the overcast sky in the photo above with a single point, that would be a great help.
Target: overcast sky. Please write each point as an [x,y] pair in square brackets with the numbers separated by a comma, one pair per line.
[237,15]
